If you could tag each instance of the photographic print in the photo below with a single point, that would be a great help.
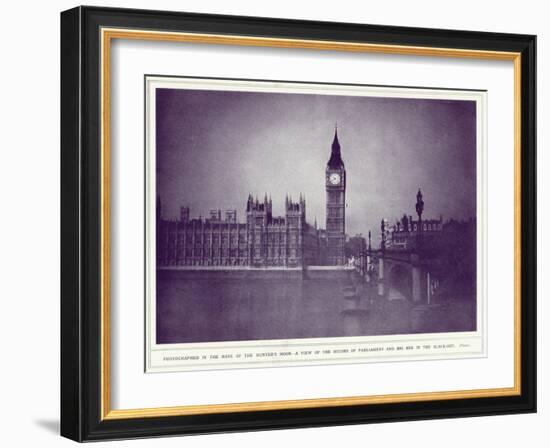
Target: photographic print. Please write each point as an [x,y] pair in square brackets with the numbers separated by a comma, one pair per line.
[299,223]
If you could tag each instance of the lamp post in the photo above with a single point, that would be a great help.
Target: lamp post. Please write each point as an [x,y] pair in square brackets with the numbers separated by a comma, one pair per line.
[417,275]
[419,210]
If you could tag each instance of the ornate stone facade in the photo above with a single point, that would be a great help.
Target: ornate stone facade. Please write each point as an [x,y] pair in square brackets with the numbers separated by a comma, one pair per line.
[263,240]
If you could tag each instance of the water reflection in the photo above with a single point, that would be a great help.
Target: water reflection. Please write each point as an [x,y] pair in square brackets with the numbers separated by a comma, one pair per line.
[233,309]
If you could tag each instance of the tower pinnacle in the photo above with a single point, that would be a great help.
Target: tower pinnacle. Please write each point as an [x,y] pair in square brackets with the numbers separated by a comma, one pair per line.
[335,160]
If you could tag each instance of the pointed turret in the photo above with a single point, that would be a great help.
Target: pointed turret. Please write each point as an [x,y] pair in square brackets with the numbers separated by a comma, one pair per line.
[335,160]
[370,248]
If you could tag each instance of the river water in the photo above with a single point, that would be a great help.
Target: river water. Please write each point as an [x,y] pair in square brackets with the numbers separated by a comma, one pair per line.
[217,308]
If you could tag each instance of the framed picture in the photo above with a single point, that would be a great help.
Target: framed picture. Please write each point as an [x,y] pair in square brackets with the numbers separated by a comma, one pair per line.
[274,224]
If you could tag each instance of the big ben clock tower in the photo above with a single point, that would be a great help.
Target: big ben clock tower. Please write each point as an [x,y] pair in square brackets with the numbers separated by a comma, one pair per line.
[335,181]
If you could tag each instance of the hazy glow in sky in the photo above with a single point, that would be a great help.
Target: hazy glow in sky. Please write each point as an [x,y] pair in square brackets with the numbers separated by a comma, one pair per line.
[214,148]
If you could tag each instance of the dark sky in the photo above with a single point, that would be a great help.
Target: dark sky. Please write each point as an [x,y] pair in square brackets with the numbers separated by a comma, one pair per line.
[213,148]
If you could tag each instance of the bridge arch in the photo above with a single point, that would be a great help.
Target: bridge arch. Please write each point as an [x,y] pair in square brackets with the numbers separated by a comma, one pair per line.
[401,280]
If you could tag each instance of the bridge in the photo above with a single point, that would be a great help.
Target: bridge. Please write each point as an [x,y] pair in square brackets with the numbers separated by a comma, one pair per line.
[400,274]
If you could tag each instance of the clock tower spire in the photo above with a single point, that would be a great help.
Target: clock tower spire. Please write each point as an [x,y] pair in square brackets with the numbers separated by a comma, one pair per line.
[335,185]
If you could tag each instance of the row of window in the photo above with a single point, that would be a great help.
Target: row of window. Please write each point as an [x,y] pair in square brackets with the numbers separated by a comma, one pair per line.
[199,252]
[189,228]
[204,262]
[207,237]
[335,212]
[199,245]
[425,226]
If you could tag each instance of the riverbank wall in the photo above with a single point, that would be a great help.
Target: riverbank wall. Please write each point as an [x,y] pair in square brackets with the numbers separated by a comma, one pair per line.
[238,272]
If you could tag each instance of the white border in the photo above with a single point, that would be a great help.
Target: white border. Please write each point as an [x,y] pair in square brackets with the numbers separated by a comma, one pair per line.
[314,351]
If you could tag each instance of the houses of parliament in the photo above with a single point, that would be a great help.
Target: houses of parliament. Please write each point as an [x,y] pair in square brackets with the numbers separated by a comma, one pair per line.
[263,240]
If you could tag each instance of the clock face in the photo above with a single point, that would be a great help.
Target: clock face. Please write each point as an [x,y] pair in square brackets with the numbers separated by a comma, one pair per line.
[334,178]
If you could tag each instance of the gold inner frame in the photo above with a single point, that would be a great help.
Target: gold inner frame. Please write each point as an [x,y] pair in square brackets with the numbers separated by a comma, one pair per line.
[107,35]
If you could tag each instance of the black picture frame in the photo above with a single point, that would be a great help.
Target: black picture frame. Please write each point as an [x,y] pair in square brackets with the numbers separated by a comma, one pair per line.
[81,224]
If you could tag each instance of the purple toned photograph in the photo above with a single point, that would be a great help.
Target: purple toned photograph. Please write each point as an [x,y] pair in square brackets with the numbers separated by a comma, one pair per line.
[285,215]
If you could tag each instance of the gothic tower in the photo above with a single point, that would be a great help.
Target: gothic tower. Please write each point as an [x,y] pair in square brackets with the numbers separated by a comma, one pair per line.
[335,181]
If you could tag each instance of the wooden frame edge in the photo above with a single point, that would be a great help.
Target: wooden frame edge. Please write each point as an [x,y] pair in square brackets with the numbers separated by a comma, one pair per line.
[107,34]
